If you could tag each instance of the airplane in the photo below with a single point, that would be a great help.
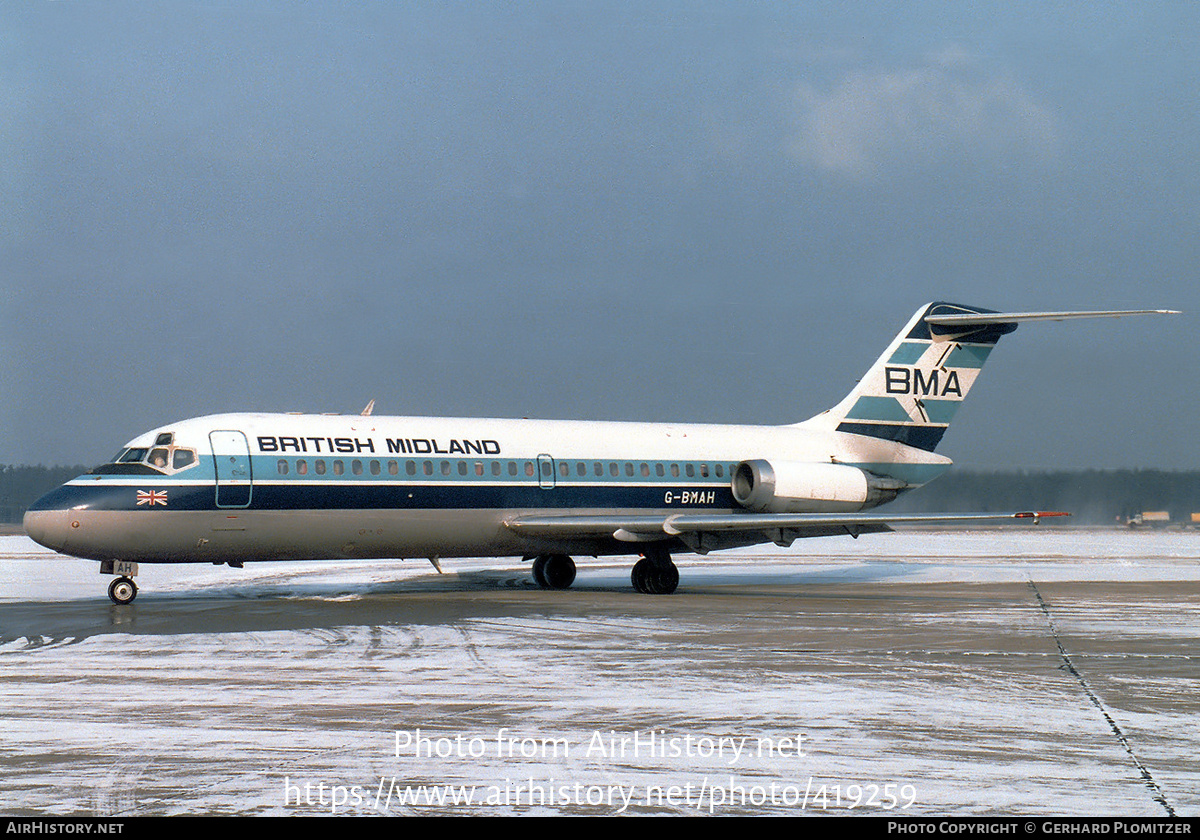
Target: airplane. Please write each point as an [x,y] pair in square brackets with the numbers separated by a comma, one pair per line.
[232,488]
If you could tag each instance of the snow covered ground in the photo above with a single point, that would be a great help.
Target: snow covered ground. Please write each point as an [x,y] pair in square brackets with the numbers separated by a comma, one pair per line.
[1040,671]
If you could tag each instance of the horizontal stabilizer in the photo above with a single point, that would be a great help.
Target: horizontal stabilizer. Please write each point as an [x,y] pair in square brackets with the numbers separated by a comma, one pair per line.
[979,318]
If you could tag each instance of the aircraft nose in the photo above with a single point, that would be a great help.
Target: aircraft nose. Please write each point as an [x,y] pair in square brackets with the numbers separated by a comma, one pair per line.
[47,527]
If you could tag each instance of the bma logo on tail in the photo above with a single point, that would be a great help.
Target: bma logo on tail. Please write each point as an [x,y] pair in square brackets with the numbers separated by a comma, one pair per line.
[915,381]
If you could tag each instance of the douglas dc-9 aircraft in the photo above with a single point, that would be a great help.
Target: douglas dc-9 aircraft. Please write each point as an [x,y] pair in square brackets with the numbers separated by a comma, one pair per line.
[229,488]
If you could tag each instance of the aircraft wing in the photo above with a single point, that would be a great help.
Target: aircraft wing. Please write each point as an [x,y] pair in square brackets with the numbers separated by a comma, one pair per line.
[785,527]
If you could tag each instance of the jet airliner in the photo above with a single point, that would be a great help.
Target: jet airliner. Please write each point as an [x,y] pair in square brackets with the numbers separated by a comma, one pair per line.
[232,488]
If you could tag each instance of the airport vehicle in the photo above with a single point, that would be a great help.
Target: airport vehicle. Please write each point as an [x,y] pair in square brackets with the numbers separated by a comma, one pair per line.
[1150,519]
[232,488]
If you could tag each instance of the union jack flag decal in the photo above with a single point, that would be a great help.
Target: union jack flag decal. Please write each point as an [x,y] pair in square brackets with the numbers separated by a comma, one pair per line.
[152,497]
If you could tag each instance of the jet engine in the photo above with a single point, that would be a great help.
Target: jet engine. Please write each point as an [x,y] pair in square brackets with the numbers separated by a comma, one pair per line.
[799,487]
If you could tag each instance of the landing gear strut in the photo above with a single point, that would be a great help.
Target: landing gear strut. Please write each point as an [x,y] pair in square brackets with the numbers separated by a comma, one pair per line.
[122,590]
[553,571]
[655,574]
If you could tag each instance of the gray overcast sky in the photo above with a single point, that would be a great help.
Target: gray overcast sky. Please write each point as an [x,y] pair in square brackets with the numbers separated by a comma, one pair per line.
[702,211]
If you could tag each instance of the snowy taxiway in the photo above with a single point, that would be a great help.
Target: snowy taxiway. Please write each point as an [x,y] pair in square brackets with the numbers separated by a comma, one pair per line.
[974,673]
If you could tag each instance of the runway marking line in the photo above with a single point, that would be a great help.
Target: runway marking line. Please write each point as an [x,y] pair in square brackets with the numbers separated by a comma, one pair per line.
[1159,796]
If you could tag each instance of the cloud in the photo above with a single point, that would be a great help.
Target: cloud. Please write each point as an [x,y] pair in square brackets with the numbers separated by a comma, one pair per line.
[869,124]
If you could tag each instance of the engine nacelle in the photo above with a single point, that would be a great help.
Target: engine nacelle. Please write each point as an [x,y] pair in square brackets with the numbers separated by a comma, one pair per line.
[799,487]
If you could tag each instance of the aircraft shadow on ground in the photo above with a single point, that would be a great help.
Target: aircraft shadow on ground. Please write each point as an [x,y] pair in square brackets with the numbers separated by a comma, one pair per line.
[259,606]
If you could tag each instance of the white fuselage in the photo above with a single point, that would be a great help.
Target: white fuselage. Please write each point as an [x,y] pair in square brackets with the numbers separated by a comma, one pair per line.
[281,486]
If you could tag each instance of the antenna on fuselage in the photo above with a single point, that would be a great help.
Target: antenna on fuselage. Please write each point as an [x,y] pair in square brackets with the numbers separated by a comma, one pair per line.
[366,412]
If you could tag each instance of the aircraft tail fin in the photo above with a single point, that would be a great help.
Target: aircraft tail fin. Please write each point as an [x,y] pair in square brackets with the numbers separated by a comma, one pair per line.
[914,389]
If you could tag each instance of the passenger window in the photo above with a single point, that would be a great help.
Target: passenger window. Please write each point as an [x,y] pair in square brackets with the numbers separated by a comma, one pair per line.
[302,467]
[599,470]
[720,468]
[319,466]
[512,467]
[658,470]
[479,468]
[462,467]
[564,469]
[645,470]
[375,468]
[282,466]
[338,467]
[445,468]
[704,470]
[410,467]
[495,468]
[393,468]
[613,469]
[628,469]
[356,467]
[581,469]
[690,469]
[674,471]
[529,468]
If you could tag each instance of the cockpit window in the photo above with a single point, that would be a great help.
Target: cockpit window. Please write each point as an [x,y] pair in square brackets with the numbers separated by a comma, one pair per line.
[163,457]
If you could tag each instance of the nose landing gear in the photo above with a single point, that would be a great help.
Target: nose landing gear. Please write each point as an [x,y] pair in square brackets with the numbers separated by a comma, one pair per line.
[122,590]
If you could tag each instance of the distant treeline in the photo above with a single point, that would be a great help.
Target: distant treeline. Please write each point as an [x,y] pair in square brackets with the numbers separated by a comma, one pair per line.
[21,486]
[1094,497]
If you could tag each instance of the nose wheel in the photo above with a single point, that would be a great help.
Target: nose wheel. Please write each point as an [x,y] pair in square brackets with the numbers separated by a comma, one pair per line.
[122,590]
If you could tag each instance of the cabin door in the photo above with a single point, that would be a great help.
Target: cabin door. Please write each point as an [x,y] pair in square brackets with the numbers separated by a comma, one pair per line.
[545,472]
[231,457]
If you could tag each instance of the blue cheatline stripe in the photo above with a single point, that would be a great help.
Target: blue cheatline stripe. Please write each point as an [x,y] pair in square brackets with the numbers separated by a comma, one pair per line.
[308,495]
[908,353]
[921,437]
[940,411]
[879,408]
[968,356]
[389,468]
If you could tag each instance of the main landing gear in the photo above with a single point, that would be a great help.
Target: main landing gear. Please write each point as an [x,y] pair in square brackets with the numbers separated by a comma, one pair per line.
[655,573]
[553,571]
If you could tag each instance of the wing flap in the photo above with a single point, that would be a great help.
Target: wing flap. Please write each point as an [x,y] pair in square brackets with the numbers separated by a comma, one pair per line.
[650,528]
